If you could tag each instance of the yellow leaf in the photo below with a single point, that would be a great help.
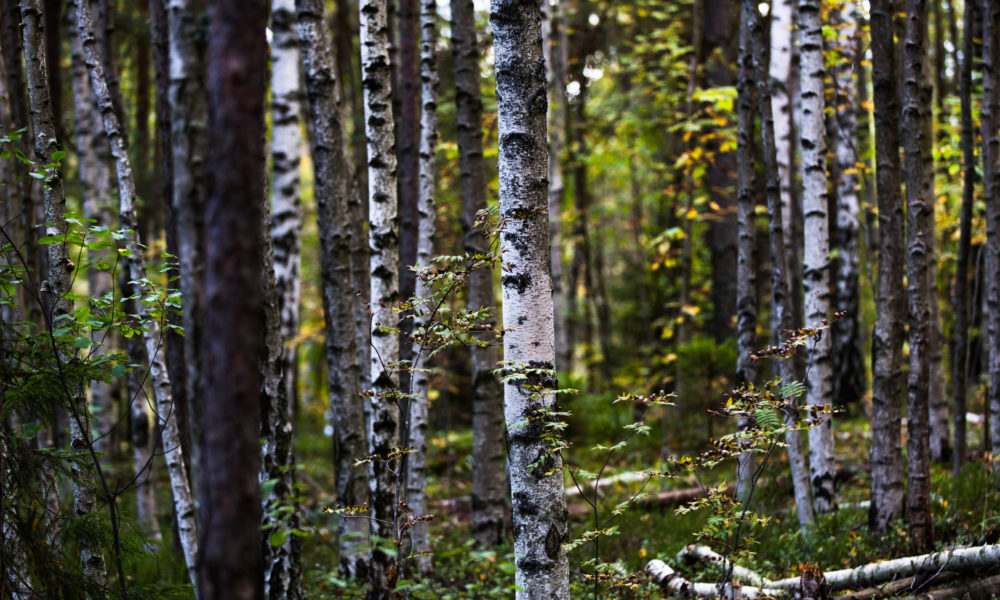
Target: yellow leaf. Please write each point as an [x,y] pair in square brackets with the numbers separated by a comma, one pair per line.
[692,214]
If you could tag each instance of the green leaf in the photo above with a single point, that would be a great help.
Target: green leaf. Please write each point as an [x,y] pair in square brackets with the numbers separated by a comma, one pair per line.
[82,342]
[118,370]
[57,155]
[278,538]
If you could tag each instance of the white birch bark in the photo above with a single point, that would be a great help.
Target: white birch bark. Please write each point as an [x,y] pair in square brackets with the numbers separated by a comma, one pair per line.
[816,271]
[59,269]
[780,79]
[334,192]
[135,268]
[536,480]
[672,583]
[286,147]
[95,191]
[416,473]
[383,239]
[488,491]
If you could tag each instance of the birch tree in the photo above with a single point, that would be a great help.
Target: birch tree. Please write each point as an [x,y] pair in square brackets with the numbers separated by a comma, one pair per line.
[887,339]
[383,239]
[488,491]
[334,191]
[539,502]
[991,177]
[781,317]
[816,264]
[135,269]
[919,225]
[57,284]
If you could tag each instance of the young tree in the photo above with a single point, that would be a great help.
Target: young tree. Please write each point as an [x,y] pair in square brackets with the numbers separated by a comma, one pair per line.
[487,407]
[919,213]
[781,317]
[231,561]
[334,191]
[539,501]
[383,236]
[60,267]
[135,270]
[887,339]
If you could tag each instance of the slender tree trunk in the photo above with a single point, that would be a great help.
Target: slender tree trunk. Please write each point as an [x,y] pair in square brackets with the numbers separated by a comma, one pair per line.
[60,268]
[186,21]
[416,429]
[95,191]
[746,273]
[539,501]
[335,193]
[919,213]
[991,178]
[848,357]
[960,363]
[887,339]
[135,267]
[555,73]
[781,319]
[142,435]
[231,562]
[407,99]
[488,493]
[52,10]
[383,430]
[819,371]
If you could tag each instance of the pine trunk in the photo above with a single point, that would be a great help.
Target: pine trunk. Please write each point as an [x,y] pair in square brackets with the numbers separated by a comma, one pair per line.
[335,194]
[539,501]
[887,339]
[488,492]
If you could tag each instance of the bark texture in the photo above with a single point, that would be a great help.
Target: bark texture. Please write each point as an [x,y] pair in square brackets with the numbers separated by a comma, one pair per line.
[335,193]
[135,266]
[383,240]
[991,176]
[539,502]
[887,339]
[58,275]
[488,493]
[231,560]
[781,316]
[920,232]
[816,263]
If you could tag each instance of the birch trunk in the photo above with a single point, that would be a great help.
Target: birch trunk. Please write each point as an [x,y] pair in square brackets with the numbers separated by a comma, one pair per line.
[186,21]
[919,224]
[286,144]
[779,71]
[142,441]
[416,429]
[334,192]
[383,239]
[848,357]
[746,273]
[959,367]
[58,280]
[488,492]
[781,319]
[816,264]
[95,190]
[991,179]
[135,268]
[887,339]
[539,501]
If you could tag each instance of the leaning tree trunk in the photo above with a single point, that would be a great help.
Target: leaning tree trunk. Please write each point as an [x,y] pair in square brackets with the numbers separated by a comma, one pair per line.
[383,430]
[920,228]
[135,267]
[416,428]
[746,274]
[959,366]
[991,177]
[781,320]
[231,561]
[58,275]
[488,493]
[887,339]
[334,191]
[95,192]
[816,263]
[847,354]
[536,480]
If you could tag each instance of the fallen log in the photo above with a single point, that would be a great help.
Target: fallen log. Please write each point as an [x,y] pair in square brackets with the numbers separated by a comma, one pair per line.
[673,584]
[981,589]
[697,552]
[660,499]
[898,588]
